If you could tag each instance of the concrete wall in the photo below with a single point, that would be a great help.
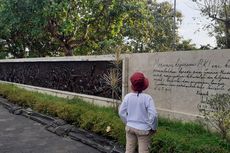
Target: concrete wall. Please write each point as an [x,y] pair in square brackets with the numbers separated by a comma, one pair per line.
[101,101]
[90,98]
[179,81]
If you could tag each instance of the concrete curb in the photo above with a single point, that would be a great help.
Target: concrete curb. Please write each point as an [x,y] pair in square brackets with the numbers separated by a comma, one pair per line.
[61,128]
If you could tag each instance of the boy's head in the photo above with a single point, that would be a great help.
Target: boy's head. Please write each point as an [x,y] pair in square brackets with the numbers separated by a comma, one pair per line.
[139,82]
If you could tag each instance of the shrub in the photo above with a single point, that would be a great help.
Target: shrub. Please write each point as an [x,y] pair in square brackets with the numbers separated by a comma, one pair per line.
[216,112]
[172,137]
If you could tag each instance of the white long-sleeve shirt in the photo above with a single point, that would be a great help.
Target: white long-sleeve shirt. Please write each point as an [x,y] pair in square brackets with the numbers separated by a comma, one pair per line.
[138,111]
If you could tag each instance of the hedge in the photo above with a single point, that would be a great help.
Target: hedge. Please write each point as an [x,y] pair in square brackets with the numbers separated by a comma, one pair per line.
[172,136]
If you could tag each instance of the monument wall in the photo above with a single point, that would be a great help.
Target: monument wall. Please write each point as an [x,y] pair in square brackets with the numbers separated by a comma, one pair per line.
[180,81]
[83,75]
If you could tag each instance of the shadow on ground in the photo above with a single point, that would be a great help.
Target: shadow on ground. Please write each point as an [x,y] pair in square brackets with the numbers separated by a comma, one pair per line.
[22,135]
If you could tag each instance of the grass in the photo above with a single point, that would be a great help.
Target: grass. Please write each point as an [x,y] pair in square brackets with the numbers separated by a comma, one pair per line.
[175,136]
[172,137]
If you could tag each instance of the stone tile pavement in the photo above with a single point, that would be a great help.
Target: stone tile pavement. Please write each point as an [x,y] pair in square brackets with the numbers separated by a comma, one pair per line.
[22,135]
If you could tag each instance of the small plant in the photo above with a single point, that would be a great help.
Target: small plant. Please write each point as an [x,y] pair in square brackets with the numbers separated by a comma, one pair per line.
[216,112]
[113,77]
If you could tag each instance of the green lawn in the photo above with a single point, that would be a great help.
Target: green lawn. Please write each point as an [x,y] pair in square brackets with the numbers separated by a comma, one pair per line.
[171,137]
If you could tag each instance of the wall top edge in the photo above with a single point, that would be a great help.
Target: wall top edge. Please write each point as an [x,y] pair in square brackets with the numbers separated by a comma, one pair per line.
[181,52]
[60,59]
[108,57]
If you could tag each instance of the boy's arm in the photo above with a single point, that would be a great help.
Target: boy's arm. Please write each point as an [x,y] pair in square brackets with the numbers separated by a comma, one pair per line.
[153,119]
[123,111]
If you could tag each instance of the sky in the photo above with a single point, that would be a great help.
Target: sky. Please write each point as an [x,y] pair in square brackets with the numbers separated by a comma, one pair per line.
[192,23]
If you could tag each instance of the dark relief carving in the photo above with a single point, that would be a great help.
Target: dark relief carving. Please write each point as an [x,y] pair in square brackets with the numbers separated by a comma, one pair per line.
[84,77]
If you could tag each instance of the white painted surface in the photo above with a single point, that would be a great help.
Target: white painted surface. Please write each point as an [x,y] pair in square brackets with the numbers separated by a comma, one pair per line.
[179,81]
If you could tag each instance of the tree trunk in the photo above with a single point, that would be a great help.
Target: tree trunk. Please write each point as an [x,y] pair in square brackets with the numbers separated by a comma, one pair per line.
[227,34]
[68,50]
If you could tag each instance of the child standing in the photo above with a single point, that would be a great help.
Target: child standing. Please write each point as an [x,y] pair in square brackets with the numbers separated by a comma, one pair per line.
[139,114]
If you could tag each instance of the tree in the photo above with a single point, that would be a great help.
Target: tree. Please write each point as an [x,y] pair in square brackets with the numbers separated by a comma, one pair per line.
[92,27]
[71,26]
[205,47]
[186,45]
[218,11]
[21,26]
[77,27]
[3,52]
[160,35]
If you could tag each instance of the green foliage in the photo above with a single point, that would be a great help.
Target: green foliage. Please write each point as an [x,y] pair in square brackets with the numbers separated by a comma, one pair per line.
[3,54]
[22,28]
[170,143]
[186,45]
[70,26]
[163,34]
[219,13]
[216,111]
[157,30]
[205,47]
[222,33]
[3,51]
[82,27]
[176,137]
[172,136]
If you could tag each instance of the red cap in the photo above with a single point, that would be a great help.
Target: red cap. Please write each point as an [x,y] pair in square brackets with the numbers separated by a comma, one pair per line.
[139,82]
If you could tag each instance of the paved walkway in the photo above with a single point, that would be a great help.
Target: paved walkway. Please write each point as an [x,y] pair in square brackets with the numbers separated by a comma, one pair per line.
[22,135]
